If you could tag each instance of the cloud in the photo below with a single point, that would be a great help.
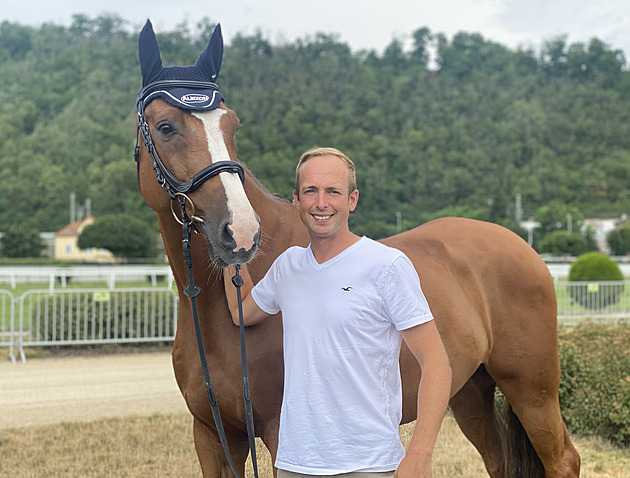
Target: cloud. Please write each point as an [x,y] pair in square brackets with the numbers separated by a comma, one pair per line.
[579,20]
[363,24]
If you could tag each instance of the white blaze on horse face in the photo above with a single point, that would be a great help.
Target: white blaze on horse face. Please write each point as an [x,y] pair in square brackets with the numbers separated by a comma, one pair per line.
[245,224]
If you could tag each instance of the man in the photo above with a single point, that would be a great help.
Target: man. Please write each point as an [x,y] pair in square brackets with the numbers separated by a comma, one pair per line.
[346,303]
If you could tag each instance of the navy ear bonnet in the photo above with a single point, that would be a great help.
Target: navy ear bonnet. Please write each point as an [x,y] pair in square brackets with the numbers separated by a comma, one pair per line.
[187,87]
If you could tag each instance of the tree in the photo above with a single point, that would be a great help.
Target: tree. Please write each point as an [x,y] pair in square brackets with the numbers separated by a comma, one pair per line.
[15,40]
[492,123]
[619,241]
[557,215]
[122,234]
[21,241]
[422,41]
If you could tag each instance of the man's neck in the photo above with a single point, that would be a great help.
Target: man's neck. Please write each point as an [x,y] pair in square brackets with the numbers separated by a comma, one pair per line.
[325,248]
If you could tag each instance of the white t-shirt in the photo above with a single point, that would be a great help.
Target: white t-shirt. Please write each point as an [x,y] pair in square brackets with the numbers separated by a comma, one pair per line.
[342,390]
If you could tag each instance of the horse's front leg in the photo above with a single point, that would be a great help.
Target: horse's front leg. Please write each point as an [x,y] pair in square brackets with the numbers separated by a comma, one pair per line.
[213,462]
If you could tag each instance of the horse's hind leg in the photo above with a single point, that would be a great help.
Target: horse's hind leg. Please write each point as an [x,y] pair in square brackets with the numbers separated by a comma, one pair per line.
[529,377]
[476,414]
[535,403]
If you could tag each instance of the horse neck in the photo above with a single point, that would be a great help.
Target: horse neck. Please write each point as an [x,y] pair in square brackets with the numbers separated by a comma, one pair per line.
[280,223]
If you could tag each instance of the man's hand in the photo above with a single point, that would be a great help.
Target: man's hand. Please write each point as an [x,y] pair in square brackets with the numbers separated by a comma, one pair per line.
[414,466]
[252,314]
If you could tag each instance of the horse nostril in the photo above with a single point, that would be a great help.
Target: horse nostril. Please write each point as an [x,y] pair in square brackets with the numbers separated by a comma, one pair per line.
[226,236]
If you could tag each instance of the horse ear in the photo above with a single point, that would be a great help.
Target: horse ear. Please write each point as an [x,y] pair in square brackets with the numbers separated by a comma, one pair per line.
[149,52]
[210,59]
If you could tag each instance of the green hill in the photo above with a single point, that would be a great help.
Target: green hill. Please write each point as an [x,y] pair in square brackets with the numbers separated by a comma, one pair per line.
[491,123]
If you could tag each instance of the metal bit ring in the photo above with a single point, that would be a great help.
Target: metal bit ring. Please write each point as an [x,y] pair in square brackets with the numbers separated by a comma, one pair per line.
[192,215]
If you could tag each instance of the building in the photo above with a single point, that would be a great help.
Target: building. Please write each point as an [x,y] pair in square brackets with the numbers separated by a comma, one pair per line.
[66,249]
[601,227]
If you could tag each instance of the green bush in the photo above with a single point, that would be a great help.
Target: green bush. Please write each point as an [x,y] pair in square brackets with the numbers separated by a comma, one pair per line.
[594,267]
[102,315]
[563,242]
[595,381]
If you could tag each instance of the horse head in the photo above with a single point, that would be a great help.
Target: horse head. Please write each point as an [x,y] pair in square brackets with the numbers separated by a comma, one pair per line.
[189,147]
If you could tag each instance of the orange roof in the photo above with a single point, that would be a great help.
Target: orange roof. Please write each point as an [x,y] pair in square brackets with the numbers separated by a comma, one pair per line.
[74,228]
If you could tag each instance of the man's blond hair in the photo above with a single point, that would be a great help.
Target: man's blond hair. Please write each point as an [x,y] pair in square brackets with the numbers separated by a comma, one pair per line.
[352,176]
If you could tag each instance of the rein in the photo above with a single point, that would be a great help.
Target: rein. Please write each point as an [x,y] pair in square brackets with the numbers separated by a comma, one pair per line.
[178,190]
[192,291]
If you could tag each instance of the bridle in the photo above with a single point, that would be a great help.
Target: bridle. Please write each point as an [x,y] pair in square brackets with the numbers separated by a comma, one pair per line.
[166,179]
[179,190]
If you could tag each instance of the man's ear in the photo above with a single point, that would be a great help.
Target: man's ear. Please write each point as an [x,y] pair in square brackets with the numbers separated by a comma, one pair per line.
[353,199]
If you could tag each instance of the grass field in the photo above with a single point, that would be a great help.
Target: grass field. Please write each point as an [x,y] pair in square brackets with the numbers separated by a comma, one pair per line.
[162,446]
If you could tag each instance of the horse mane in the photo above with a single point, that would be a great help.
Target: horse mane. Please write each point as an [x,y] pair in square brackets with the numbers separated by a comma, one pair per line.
[252,177]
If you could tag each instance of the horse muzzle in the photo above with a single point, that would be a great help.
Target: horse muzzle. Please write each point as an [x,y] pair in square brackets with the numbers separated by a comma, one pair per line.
[224,249]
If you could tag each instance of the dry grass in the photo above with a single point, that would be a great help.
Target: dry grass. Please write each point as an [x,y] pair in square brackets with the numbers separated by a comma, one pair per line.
[161,446]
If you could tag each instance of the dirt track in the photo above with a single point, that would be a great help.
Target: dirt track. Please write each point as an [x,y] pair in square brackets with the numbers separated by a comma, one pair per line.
[82,388]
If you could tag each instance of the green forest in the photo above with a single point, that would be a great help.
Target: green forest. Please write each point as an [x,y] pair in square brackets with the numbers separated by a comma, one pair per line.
[462,138]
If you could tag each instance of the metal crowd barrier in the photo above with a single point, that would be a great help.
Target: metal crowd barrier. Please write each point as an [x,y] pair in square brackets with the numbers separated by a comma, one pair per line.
[603,302]
[94,316]
[64,317]
[7,322]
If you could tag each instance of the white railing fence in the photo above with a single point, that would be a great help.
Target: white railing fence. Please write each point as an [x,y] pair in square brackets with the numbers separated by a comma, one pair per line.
[57,276]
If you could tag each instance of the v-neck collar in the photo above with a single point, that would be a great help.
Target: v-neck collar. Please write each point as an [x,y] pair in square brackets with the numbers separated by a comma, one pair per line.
[348,250]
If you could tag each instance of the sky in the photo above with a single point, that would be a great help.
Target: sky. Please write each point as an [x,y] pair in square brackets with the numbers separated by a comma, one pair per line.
[362,24]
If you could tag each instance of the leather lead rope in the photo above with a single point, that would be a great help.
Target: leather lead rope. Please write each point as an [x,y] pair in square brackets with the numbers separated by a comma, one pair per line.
[237,280]
[192,291]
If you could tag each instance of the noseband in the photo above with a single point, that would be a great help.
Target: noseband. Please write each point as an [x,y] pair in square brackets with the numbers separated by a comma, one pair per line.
[179,190]
[167,180]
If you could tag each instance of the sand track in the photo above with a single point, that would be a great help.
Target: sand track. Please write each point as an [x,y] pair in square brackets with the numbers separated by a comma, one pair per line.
[82,388]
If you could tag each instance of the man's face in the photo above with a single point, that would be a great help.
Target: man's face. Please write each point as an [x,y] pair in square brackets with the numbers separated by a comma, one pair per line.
[323,201]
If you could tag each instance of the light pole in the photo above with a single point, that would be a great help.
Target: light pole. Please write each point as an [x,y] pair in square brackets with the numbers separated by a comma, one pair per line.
[529,226]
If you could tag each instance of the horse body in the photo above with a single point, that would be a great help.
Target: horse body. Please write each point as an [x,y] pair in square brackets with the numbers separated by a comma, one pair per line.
[491,295]
[495,306]
[485,287]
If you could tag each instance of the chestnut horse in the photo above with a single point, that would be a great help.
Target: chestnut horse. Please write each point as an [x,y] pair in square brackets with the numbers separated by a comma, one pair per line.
[492,297]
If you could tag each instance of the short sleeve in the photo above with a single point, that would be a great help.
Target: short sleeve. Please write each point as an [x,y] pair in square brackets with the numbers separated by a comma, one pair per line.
[404,302]
[264,292]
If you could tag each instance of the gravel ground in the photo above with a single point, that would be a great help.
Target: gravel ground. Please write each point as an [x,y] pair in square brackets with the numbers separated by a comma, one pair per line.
[87,387]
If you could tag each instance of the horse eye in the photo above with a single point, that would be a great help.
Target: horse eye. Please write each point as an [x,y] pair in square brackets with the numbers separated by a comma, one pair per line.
[165,129]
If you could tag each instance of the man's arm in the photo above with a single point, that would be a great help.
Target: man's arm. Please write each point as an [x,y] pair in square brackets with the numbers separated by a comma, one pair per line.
[433,395]
[252,314]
